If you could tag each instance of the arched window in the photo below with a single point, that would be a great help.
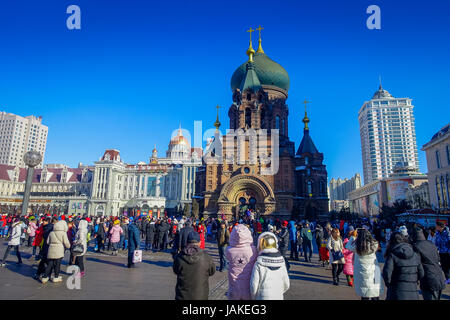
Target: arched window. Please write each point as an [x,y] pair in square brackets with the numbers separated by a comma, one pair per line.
[282,127]
[306,160]
[438,192]
[322,187]
[310,187]
[438,160]
[248,117]
[277,122]
[444,193]
[263,118]
[447,177]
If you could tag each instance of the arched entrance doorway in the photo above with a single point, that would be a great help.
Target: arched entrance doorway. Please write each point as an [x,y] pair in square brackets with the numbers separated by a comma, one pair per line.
[145,210]
[100,210]
[244,192]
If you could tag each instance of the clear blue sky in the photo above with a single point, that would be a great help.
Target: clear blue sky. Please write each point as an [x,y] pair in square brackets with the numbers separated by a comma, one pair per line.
[138,68]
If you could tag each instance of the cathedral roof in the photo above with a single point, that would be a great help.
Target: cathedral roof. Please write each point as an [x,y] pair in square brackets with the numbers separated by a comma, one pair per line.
[307,145]
[267,71]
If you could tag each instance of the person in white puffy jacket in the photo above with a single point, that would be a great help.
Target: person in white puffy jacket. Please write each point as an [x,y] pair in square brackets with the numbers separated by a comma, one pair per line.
[14,241]
[368,282]
[269,280]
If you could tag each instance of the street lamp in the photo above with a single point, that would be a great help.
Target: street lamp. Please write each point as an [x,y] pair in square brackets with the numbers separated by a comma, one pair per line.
[32,159]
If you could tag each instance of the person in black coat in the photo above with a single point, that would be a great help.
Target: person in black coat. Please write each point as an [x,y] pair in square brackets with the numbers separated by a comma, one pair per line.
[283,242]
[46,228]
[181,237]
[193,267]
[134,242]
[433,282]
[402,269]
[100,236]
[124,236]
[163,235]
[150,235]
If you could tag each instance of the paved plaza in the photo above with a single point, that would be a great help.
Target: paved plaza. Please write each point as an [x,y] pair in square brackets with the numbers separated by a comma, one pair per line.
[107,277]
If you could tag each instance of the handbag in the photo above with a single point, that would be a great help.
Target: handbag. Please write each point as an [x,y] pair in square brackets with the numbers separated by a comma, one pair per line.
[77,248]
[337,255]
[137,256]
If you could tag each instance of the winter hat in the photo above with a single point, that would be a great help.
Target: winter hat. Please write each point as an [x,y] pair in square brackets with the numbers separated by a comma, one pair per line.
[116,222]
[285,223]
[403,230]
[270,228]
[350,229]
[193,237]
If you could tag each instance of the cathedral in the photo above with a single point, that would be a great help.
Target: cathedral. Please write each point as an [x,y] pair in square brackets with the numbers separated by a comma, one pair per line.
[255,166]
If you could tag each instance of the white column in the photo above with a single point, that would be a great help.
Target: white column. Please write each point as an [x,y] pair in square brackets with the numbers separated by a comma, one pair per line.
[146,186]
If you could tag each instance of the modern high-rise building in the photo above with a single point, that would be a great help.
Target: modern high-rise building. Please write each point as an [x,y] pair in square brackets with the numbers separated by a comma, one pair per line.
[388,135]
[340,188]
[19,135]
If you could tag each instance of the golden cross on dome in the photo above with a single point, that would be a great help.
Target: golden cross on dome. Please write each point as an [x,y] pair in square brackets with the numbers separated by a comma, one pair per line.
[306,102]
[259,29]
[250,31]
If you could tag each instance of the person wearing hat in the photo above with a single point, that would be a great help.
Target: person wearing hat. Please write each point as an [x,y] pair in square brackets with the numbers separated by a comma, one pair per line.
[348,255]
[269,279]
[193,267]
[116,232]
[241,256]
[307,237]
[14,242]
[283,241]
[31,231]
[402,269]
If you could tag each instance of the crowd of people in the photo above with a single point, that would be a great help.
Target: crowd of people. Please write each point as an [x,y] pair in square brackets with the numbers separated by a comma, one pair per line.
[254,251]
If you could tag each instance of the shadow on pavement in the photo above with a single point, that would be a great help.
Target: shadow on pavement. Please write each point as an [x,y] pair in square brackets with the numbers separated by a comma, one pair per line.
[163,264]
[22,269]
[309,274]
[309,279]
[117,264]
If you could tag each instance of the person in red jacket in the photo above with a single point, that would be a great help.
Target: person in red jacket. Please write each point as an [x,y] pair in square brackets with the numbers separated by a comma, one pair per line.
[201,232]
[2,225]
[37,240]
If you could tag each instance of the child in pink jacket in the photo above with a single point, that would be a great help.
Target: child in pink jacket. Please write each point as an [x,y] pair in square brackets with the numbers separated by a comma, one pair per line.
[116,231]
[241,256]
[348,255]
